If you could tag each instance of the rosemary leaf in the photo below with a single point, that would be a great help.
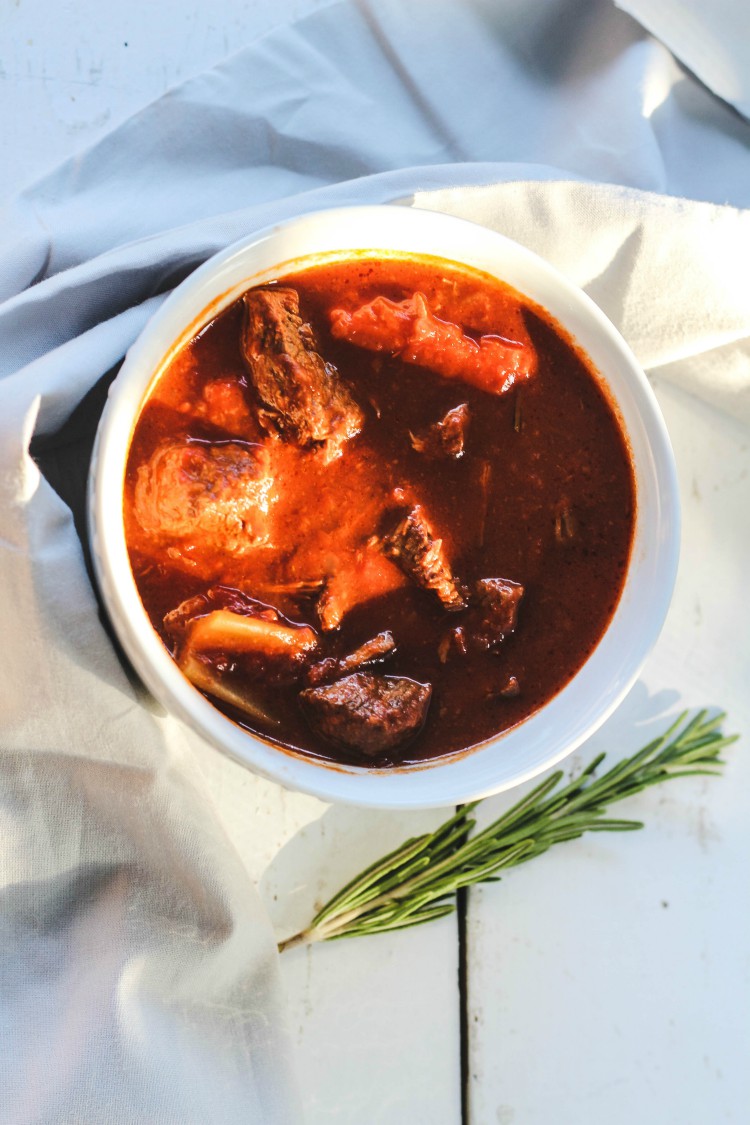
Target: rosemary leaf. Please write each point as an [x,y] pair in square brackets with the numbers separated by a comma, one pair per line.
[417,882]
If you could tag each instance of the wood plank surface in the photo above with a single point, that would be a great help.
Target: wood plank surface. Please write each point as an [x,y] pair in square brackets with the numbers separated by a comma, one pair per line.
[72,70]
[610,980]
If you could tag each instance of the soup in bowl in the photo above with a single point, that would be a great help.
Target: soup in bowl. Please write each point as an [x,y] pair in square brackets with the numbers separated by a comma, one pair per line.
[383,507]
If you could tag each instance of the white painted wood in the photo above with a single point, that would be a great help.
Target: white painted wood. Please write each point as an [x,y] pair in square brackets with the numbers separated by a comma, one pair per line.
[71,70]
[610,979]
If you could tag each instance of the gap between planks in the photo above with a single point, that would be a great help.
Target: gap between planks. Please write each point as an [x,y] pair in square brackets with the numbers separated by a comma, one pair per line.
[462,903]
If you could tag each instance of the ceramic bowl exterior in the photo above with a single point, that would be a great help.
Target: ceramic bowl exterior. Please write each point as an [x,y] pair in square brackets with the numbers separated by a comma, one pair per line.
[570,717]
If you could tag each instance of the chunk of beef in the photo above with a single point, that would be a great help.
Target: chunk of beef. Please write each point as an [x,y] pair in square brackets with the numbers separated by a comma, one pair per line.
[372,715]
[411,331]
[494,615]
[333,668]
[219,494]
[303,396]
[491,617]
[413,545]
[444,439]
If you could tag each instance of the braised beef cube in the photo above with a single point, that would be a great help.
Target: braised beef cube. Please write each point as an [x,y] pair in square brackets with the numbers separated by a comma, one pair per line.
[495,612]
[372,715]
[371,652]
[446,438]
[217,494]
[413,545]
[303,396]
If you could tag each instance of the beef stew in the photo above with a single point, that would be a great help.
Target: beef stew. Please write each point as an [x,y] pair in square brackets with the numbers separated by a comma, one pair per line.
[381,510]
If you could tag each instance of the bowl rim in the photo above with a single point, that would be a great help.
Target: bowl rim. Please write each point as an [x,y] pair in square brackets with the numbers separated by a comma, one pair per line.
[617,658]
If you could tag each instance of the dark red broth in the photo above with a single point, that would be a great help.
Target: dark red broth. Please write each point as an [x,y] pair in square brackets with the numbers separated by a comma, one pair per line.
[543,495]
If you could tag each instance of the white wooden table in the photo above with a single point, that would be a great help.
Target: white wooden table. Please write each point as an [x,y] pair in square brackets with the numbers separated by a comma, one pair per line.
[610,980]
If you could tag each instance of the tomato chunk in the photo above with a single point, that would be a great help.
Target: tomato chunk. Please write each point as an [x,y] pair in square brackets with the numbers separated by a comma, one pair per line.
[411,331]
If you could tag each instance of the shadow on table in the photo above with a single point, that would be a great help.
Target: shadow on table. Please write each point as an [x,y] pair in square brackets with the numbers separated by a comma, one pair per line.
[325,855]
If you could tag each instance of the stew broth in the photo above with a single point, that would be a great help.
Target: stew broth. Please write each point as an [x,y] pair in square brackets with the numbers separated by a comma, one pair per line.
[541,494]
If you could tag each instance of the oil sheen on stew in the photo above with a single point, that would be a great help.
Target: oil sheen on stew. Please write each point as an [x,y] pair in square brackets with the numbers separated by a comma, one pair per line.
[379,510]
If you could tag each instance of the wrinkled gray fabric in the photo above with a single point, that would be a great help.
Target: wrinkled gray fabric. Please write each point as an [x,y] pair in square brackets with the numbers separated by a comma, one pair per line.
[712,39]
[137,970]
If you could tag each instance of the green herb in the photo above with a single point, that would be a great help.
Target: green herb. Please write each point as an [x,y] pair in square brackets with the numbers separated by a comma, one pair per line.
[417,882]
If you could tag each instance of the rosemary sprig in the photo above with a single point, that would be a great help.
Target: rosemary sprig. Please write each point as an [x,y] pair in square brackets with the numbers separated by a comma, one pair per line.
[417,882]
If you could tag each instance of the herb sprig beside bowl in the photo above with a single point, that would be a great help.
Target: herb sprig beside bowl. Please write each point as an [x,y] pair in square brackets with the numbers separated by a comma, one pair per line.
[417,882]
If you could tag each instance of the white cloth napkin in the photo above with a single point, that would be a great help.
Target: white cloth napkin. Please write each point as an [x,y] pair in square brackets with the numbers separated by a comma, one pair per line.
[137,970]
[713,39]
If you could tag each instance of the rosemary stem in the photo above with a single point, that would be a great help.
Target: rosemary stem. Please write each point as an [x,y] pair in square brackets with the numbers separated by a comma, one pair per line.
[304,937]
[417,882]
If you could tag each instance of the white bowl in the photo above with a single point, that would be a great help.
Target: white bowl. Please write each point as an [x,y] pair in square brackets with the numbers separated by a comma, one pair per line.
[574,713]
